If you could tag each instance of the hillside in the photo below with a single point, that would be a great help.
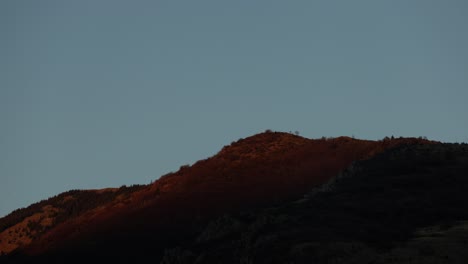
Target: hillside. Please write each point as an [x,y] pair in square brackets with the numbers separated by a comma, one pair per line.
[407,205]
[22,226]
[264,170]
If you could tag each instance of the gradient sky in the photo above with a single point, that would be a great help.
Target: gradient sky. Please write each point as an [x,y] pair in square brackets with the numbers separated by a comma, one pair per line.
[98,94]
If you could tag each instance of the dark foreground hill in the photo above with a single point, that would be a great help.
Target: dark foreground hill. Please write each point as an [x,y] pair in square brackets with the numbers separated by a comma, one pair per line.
[407,205]
[276,198]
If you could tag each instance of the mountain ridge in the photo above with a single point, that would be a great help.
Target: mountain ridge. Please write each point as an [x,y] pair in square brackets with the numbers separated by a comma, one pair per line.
[264,169]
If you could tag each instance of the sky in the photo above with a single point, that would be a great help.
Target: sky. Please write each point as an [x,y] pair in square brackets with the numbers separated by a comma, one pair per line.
[97,94]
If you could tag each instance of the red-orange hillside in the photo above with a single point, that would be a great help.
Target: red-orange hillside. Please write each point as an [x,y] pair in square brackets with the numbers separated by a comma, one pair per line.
[256,171]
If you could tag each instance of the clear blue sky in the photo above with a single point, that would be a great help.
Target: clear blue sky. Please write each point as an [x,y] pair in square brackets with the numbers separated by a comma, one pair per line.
[99,94]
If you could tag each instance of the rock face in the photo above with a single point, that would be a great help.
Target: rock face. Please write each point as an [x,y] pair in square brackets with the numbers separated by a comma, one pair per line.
[167,218]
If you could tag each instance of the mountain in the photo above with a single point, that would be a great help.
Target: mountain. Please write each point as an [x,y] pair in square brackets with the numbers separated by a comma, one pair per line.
[406,205]
[278,183]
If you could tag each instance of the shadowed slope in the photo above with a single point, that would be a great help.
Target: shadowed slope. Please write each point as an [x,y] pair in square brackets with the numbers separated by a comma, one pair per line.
[407,205]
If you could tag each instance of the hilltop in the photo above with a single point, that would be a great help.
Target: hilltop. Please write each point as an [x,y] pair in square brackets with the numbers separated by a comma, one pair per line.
[266,170]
